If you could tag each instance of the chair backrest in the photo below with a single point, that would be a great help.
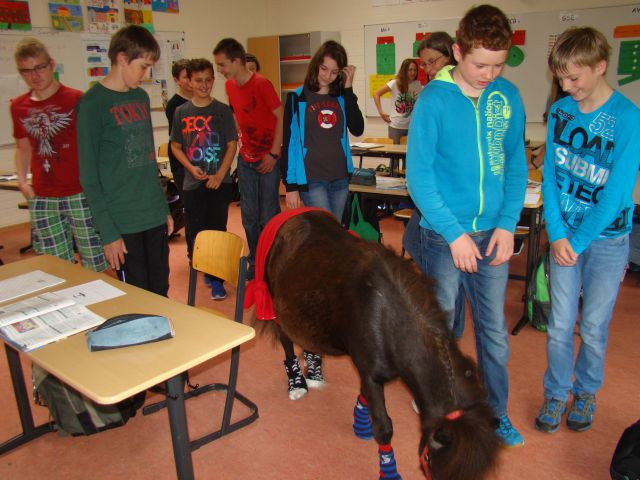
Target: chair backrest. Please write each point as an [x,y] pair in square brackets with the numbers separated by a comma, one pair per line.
[386,141]
[163,150]
[218,253]
[403,139]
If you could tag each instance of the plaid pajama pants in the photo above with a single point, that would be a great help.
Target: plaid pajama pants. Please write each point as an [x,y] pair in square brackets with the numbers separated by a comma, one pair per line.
[57,221]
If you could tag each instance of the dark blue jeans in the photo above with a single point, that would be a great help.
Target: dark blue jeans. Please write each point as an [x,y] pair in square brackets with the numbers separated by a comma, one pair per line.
[259,200]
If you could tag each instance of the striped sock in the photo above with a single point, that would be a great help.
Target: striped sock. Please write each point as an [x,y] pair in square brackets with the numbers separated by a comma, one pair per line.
[362,420]
[388,469]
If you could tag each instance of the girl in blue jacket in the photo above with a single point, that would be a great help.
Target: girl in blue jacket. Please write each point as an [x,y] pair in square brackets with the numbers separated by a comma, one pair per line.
[316,160]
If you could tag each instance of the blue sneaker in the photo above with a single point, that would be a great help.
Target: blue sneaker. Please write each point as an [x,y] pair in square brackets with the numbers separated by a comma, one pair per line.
[208,279]
[548,419]
[581,413]
[217,290]
[509,436]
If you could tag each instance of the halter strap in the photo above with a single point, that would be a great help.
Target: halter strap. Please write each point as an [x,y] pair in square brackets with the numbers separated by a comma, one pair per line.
[424,458]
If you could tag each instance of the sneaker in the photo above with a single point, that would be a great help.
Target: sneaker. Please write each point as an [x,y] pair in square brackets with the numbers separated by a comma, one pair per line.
[509,436]
[217,290]
[581,413]
[297,383]
[313,362]
[208,279]
[548,419]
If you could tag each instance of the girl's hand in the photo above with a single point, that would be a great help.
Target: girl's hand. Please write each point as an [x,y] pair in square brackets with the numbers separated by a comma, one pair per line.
[349,72]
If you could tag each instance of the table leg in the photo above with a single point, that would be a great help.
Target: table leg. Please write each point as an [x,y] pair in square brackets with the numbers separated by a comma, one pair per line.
[179,431]
[29,430]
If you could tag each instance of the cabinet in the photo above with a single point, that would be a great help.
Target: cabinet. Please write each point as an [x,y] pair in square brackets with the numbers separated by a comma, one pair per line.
[284,59]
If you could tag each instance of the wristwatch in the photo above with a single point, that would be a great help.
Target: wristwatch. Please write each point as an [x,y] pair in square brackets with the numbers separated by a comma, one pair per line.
[275,156]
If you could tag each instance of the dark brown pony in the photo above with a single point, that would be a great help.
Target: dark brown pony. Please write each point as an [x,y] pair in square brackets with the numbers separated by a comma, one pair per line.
[338,295]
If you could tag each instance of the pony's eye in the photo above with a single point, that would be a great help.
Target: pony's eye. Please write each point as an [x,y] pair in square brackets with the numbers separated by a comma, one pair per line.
[467,373]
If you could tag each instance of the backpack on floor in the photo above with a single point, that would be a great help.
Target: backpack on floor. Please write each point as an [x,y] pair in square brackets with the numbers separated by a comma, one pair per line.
[75,414]
[539,295]
[625,464]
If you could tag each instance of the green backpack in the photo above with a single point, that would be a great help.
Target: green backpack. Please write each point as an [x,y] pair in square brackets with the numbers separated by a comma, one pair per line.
[538,296]
[75,414]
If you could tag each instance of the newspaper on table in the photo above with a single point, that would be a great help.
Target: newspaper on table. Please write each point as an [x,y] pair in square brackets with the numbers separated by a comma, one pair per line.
[35,332]
[32,307]
[26,283]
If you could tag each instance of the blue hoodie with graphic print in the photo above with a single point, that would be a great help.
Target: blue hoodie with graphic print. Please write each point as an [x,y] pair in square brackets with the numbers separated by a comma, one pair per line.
[466,164]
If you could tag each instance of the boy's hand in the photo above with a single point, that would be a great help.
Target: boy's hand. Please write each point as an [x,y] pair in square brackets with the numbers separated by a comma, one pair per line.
[293,200]
[385,117]
[465,253]
[214,181]
[27,190]
[266,164]
[169,225]
[197,173]
[502,240]
[114,253]
[563,254]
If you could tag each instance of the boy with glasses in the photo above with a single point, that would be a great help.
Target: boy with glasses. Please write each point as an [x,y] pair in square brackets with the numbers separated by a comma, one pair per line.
[44,126]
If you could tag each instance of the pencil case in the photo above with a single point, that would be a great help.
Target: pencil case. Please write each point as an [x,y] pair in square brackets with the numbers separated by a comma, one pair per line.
[129,329]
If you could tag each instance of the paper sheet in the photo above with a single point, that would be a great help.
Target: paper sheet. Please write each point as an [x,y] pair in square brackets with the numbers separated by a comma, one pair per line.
[90,293]
[32,307]
[26,283]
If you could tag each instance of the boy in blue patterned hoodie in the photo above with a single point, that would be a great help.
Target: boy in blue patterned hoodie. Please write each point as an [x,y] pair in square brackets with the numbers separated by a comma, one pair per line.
[467,173]
[590,168]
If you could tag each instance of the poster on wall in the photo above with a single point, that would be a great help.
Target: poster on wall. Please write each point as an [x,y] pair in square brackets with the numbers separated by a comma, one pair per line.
[96,59]
[66,16]
[14,15]
[165,6]
[102,16]
[138,12]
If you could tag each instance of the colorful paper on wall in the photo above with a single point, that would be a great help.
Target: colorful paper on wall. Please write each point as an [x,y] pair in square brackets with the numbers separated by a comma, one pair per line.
[385,56]
[629,61]
[66,16]
[166,6]
[102,16]
[378,81]
[138,12]
[14,15]
[97,61]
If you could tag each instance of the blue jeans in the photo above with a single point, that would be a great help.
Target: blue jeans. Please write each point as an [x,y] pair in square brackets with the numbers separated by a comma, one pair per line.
[486,292]
[330,195]
[598,271]
[259,200]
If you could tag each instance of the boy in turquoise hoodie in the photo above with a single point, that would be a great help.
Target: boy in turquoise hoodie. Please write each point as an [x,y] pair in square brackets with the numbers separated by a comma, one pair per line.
[467,174]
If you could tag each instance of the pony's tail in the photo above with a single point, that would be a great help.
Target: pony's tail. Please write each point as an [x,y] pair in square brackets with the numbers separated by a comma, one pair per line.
[267,328]
[465,447]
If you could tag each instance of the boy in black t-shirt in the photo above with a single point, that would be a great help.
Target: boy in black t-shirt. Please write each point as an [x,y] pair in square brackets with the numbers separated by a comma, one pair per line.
[204,140]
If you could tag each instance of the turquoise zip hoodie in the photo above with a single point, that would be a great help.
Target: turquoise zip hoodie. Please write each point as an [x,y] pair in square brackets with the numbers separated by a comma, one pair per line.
[466,164]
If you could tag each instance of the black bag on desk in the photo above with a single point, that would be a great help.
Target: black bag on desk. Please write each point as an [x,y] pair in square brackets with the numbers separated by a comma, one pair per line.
[363,176]
[75,414]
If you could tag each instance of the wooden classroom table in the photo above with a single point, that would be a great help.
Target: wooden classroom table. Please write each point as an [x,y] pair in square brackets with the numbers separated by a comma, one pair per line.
[395,153]
[110,376]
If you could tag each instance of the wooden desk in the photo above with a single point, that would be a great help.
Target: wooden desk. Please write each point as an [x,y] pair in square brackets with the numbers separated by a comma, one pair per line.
[384,194]
[112,375]
[9,185]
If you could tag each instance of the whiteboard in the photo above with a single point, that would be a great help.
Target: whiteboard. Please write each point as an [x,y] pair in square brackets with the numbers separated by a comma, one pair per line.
[535,35]
[80,60]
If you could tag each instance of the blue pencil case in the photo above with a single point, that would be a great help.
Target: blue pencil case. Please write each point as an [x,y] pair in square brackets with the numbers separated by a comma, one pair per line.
[129,329]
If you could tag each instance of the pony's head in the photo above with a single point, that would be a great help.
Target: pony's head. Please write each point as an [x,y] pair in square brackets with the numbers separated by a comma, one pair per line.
[462,443]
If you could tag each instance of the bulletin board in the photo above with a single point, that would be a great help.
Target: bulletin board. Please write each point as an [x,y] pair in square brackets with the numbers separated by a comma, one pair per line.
[81,59]
[387,45]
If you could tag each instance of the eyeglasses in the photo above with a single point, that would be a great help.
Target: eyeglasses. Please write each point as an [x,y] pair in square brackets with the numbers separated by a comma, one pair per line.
[431,62]
[37,69]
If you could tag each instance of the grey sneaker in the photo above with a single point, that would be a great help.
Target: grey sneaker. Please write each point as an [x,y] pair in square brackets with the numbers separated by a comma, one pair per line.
[548,419]
[582,410]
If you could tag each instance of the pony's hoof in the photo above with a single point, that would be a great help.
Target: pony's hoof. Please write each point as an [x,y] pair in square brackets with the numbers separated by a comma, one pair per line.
[297,393]
[316,383]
